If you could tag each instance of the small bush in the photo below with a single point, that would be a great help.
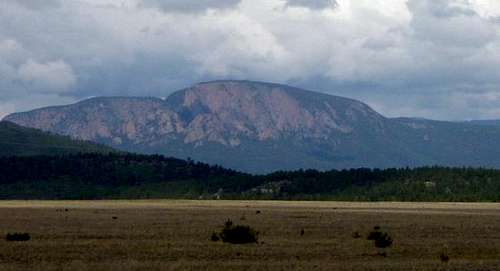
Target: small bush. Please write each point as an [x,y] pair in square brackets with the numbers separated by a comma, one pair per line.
[17,237]
[384,241]
[215,237]
[444,257]
[356,235]
[380,239]
[374,235]
[237,234]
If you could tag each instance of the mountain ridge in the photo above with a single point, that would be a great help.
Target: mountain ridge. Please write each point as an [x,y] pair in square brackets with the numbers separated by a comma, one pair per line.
[261,127]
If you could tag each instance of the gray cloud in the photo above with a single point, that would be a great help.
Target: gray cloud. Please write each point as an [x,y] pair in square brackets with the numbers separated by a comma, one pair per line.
[435,59]
[54,76]
[312,4]
[35,4]
[443,8]
[443,23]
[189,6]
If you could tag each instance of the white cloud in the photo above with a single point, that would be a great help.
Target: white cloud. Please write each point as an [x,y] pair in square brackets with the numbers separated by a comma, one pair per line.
[56,76]
[487,8]
[5,109]
[374,50]
[28,101]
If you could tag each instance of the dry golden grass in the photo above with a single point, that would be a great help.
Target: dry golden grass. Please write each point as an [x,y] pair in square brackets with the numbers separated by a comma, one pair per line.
[175,235]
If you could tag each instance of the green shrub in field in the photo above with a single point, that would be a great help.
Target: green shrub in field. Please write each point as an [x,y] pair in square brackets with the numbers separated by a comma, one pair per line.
[17,237]
[356,235]
[374,235]
[236,234]
[380,239]
[444,255]
[383,241]
[239,235]
[215,237]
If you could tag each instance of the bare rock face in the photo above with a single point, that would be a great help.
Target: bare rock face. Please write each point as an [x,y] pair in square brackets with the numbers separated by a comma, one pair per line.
[118,120]
[255,127]
[226,111]
[222,112]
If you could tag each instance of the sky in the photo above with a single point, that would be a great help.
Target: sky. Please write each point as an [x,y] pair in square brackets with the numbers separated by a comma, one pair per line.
[437,59]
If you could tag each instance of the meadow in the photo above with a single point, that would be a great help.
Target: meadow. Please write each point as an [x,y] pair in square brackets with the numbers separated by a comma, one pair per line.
[175,235]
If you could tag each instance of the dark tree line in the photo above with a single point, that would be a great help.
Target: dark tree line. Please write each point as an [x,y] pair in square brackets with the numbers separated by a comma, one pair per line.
[115,175]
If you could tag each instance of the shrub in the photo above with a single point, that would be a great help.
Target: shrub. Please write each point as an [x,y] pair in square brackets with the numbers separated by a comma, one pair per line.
[356,235]
[215,237]
[383,241]
[238,234]
[17,237]
[444,255]
[380,239]
[374,235]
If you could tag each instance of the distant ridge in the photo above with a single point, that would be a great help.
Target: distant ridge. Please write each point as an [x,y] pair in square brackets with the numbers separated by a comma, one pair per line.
[262,127]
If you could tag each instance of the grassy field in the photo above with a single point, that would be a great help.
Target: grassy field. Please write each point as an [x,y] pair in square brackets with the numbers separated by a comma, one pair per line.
[175,235]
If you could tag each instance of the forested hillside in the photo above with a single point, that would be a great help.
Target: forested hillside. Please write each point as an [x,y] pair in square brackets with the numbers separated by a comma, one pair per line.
[22,141]
[108,176]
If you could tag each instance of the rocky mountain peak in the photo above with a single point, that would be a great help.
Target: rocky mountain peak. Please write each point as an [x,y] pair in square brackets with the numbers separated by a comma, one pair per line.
[225,112]
[259,126]
[264,111]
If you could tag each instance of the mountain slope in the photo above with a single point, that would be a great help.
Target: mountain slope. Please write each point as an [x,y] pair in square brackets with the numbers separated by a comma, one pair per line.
[484,122]
[261,127]
[21,141]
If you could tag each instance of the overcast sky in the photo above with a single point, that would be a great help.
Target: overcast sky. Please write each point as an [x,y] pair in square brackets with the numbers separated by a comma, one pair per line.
[436,59]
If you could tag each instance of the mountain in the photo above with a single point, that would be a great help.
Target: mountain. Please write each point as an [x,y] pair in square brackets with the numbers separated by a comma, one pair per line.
[262,127]
[485,122]
[21,141]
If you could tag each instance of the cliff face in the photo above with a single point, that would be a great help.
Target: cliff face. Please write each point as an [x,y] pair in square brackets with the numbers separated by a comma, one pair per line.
[224,112]
[251,126]
[221,112]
